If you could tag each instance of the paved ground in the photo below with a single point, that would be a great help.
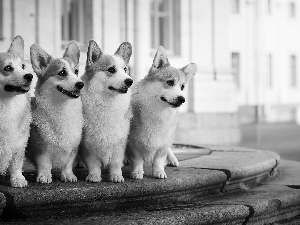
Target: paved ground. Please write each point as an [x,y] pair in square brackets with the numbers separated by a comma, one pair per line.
[283,138]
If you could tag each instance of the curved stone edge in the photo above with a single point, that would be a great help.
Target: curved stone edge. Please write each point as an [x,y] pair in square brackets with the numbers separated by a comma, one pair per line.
[289,174]
[190,149]
[270,203]
[264,205]
[233,174]
[274,209]
[77,198]
[245,168]
[217,215]
[290,221]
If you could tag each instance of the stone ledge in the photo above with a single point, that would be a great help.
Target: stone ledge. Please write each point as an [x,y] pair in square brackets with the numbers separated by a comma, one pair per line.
[245,168]
[58,198]
[272,203]
[289,174]
[292,221]
[184,214]
[263,205]
[267,204]
[211,171]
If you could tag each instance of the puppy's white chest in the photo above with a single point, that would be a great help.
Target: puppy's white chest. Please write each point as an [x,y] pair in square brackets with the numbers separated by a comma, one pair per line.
[14,115]
[60,128]
[156,128]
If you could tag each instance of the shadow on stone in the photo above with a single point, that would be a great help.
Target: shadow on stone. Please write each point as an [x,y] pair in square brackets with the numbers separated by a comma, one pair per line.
[294,186]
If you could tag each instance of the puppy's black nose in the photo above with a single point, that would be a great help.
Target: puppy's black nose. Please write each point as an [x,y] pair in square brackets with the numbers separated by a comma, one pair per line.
[128,82]
[79,85]
[180,100]
[28,77]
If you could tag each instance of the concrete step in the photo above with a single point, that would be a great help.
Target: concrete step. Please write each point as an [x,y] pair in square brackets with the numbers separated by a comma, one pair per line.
[263,205]
[213,185]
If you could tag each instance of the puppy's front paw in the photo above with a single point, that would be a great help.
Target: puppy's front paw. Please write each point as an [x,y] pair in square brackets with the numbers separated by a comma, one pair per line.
[94,178]
[137,175]
[44,179]
[116,178]
[173,163]
[18,182]
[160,174]
[172,160]
[68,177]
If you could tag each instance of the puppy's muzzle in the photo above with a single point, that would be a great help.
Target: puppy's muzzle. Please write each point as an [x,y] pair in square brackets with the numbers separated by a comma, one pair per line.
[28,77]
[124,89]
[178,102]
[128,82]
[79,85]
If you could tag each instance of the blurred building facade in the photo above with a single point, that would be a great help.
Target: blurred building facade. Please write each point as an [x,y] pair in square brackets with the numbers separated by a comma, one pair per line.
[265,58]
[246,50]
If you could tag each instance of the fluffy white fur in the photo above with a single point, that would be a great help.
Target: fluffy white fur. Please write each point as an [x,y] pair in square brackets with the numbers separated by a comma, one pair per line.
[107,112]
[15,113]
[154,104]
[57,118]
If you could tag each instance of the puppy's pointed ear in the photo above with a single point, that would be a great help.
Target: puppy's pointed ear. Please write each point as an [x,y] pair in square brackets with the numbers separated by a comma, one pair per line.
[189,71]
[17,47]
[73,52]
[39,59]
[160,58]
[93,54]
[125,51]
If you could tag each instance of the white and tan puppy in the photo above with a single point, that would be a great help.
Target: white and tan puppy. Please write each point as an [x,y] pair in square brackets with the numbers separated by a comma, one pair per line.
[107,113]
[57,113]
[155,102]
[15,113]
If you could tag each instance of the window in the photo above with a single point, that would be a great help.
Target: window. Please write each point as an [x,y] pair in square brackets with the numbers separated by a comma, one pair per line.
[235,6]
[76,20]
[292,10]
[165,25]
[1,20]
[270,71]
[235,66]
[293,71]
[269,7]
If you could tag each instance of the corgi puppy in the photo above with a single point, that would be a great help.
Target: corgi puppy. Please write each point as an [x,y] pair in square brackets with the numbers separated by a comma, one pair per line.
[155,101]
[57,113]
[15,112]
[106,110]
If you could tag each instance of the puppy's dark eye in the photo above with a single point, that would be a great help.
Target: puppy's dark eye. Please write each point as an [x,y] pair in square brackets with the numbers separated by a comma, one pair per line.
[23,66]
[112,70]
[76,71]
[8,69]
[171,82]
[182,87]
[63,73]
[125,69]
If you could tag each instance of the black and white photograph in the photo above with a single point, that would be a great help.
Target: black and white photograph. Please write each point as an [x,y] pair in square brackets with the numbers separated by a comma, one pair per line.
[150,112]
